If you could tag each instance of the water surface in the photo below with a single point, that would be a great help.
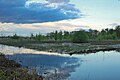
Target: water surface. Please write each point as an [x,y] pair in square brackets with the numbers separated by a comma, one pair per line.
[94,66]
[98,66]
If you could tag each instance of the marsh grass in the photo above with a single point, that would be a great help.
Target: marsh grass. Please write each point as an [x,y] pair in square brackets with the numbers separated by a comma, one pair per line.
[62,47]
[10,70]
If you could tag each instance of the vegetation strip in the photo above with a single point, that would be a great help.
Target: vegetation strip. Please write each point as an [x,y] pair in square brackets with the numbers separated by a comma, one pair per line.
[68,42]
[93,51]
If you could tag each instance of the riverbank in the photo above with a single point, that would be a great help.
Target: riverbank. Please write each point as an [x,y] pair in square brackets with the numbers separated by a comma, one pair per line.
[10,70]
[63,47]
[51,67]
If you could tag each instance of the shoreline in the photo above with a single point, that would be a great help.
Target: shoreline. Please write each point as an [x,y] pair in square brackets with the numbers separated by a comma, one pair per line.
[67,49]
[10,70]
[63,47]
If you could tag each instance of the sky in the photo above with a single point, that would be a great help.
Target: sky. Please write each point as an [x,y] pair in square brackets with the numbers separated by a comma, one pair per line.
[42,16]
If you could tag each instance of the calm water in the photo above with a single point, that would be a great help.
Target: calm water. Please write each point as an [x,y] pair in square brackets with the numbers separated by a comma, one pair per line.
[94,66]
[98,66]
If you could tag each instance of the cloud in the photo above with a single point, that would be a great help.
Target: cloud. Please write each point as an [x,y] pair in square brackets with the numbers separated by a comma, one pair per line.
[26,29]
[114,24]
[58,1]
[11,3]
[35,11]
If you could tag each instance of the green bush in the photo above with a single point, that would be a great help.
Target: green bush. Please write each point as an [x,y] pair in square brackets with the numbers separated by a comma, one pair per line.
[79,36]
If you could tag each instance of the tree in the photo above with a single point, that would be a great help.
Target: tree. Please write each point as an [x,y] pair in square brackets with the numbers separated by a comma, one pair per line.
[79,36]
[60,35]
[39,37]
[117,29]
[103,32]
[66,35]
[31,36]
[15,36]
[56,35]
[51,35]
[106,30]
[92,34]
[111,31]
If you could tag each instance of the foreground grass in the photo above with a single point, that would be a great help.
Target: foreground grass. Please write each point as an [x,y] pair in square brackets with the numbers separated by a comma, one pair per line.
[10,70]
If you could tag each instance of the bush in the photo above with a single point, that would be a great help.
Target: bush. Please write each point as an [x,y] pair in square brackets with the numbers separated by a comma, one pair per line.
[79,36]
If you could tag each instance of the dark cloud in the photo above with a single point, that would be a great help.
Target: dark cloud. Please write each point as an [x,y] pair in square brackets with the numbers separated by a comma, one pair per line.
[33,11]
[11,3]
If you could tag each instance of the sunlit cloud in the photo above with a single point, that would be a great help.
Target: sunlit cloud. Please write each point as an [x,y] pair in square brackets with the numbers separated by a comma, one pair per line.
[43,28]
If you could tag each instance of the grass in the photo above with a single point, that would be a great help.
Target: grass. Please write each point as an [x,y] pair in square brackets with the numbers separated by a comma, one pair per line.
[60,47]
[10,70]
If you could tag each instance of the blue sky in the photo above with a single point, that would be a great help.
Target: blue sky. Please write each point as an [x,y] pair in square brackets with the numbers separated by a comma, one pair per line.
[33,16]
[100,11]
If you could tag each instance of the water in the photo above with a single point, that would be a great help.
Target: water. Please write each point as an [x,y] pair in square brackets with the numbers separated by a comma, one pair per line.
[94,66]
[44,62]
[98,66]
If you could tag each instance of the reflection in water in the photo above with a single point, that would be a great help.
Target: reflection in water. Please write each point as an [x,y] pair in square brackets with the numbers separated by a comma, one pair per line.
[15,50]
[47,63]
[51,64]
[98,66]
[95,66]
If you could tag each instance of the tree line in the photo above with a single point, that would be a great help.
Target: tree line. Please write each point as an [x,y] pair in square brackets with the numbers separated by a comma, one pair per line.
[77,36]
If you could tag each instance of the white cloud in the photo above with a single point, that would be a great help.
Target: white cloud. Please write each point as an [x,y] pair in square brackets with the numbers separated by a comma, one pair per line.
[58,1]
[26,29]
[63,5]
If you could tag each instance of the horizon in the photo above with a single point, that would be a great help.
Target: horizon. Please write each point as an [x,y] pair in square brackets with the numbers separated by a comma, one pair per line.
[44,16]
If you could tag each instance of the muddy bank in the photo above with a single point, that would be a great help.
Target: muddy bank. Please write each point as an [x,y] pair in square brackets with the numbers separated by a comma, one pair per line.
[10,70]
[64,47]
[73,48]
[105,42]
[93,51]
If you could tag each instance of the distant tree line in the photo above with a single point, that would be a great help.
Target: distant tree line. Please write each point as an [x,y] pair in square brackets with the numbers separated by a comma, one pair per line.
[105,34]
[77,36]
[81,35]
